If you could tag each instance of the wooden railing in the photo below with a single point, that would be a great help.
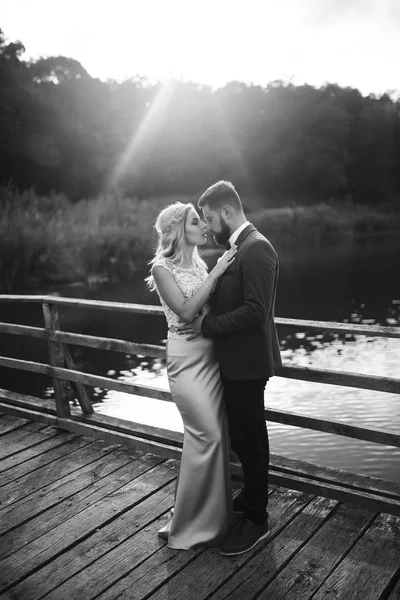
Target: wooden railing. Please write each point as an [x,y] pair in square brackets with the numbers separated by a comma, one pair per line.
[367,491]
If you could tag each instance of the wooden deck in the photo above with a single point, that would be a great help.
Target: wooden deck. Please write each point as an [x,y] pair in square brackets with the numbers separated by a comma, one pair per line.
[79,520]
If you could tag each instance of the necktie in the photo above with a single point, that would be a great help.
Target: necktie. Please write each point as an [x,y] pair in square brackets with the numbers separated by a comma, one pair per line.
[228,246]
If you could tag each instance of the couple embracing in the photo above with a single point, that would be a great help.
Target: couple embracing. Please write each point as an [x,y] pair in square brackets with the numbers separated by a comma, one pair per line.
[222,348]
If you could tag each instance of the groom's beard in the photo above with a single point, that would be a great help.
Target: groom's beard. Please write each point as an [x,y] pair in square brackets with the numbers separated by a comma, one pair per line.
[222,236]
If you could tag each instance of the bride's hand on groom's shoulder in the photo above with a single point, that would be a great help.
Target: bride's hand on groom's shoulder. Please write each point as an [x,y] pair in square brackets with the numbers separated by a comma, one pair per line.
[224,261]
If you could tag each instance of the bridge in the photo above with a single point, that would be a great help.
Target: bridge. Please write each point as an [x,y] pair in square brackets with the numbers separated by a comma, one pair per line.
[84,494]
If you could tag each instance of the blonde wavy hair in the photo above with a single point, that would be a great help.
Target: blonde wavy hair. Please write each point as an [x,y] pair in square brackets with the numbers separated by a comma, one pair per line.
[170,227]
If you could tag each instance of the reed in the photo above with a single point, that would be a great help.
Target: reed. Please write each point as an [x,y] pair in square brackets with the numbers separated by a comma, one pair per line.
[50,240]
[323,223]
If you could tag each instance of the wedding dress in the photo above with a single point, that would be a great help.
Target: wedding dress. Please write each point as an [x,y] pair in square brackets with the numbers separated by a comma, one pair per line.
[203,495]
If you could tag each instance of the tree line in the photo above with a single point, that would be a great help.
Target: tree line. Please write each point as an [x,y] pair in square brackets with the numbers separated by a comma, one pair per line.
[62,130]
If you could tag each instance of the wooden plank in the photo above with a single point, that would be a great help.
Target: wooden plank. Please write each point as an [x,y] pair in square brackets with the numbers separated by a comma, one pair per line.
[252,575]
[211,570]
[314,562]
[16,440]
[112,437]
[279,464]
[56,358]
[137,521]
[79,389]
[151,563]
[79,303]
[372,501]
[103,305]
[383,384]
[379,436]
[28,330]
[127,347]
[153,573]
[83,428]
[107,554]
[81,453]
[43,510]
[95,561]
[115,437]
[95,380]
[29,460]
[352,430]
[27,401]
[90,341]
[157,434]
[368,570]
[61,438]
[380,384]
[134,522]
[8,423]
[115,423]
[355,329]
[352,328]
[110,344]
[376,435]
[21,298]
[40,551]
[395,592]
[339,477]
[356,380]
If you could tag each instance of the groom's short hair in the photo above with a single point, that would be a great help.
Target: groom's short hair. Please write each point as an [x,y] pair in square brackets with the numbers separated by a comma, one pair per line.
[219,194]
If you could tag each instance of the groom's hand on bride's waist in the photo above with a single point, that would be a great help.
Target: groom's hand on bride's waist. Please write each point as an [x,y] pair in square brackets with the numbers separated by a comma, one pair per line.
[193,329]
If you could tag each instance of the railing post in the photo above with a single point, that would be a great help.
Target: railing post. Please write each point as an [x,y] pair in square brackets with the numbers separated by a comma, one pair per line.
[56,357]
[79,388]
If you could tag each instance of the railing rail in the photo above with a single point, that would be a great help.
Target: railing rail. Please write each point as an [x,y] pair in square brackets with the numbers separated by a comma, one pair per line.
[351,328]
[62,370]
[58,340]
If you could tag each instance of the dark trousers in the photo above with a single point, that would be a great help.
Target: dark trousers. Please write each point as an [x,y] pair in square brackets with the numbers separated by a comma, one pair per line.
[244,401]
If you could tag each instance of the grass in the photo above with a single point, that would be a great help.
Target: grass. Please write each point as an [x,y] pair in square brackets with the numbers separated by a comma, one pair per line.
[48,239]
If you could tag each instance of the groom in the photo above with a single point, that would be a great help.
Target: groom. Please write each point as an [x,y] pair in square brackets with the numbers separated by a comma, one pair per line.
[241,324]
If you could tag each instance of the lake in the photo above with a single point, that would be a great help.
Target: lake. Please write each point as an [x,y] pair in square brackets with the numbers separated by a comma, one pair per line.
[357,281]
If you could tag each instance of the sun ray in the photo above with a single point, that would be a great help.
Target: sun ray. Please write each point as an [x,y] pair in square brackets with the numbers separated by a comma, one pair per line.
[131,154]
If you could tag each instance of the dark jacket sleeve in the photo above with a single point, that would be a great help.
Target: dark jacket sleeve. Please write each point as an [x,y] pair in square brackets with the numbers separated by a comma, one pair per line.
[258,269]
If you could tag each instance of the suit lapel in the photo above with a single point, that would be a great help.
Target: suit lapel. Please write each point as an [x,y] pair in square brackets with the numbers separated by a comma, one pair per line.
[243,235]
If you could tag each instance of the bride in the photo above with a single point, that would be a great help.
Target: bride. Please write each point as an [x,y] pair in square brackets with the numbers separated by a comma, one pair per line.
[203,495]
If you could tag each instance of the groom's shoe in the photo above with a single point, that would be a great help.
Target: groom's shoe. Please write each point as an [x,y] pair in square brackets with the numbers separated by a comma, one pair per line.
[243,537]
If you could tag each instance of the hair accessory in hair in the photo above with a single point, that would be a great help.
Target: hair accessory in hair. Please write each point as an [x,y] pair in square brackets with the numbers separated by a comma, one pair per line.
[177,216]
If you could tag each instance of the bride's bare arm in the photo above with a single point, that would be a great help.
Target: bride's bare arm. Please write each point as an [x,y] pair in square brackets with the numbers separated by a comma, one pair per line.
[188,308]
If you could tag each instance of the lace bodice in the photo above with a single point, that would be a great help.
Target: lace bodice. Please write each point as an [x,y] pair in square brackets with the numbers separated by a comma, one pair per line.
[188,279]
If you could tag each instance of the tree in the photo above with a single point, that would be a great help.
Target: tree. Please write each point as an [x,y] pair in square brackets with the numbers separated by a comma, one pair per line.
[62,130]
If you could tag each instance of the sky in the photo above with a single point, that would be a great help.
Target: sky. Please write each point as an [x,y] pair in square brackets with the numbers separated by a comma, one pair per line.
[350,42]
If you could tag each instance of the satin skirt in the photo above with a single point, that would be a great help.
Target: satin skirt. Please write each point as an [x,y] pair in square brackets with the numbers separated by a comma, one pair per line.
[203,495]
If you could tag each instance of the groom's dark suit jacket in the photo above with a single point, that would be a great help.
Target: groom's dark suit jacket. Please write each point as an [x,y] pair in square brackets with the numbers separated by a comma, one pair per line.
[241,321]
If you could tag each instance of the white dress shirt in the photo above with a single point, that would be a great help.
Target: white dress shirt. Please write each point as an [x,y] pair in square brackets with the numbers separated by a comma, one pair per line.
[237,232]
